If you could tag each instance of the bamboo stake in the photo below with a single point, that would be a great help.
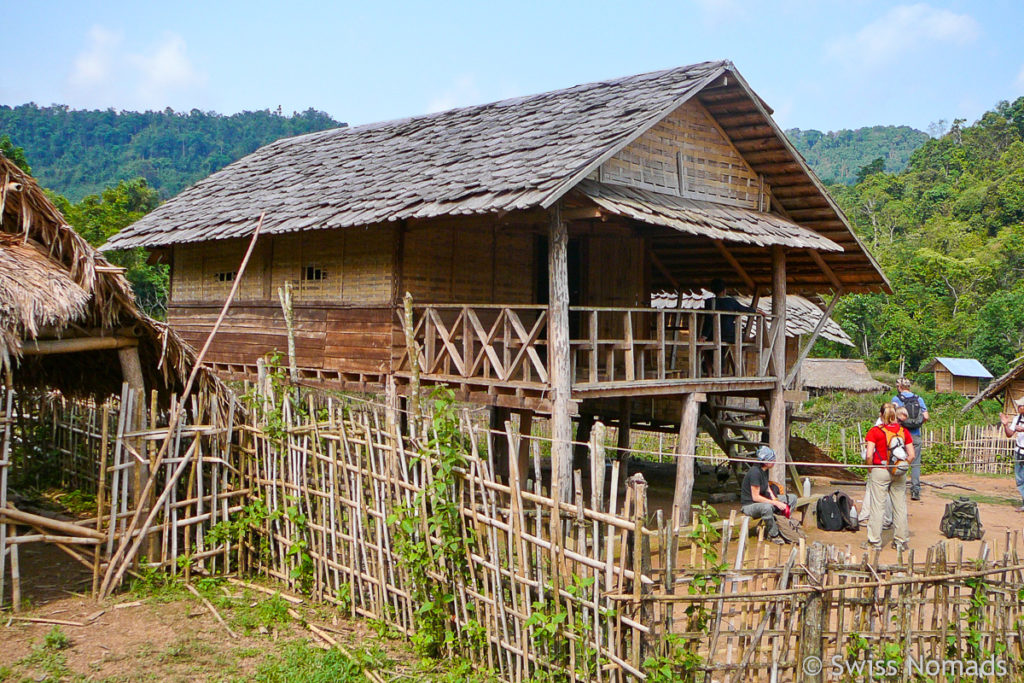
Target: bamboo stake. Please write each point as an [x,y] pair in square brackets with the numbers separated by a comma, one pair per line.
[127,549]
[213,610]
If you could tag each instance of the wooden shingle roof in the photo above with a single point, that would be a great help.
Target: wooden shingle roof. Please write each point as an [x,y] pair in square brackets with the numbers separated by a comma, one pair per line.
[513,154]
[517,154]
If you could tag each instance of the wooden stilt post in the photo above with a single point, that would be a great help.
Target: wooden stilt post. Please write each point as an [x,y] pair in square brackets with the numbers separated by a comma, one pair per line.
[623,440]
[777,437]
[525,429]
[499,444]
[558,354]
[687,448]
[580,451]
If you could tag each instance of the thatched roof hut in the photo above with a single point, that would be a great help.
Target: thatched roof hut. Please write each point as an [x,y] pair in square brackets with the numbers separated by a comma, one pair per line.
[850,375]
[65,311]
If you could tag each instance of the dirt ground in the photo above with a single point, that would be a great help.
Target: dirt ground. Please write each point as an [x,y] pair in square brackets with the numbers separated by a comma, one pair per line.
[162,633]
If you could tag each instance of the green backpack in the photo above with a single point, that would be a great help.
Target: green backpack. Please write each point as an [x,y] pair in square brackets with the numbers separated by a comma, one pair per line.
[961,520]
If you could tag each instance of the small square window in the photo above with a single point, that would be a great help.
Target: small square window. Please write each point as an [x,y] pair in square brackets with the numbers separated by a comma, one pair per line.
[225,276]
[313,274]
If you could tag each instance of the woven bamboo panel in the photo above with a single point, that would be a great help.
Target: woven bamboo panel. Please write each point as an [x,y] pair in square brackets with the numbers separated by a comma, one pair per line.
[513,280]
[187,274]
[368,265]
[616,278]
[473,266]
[427,267]
[712,169]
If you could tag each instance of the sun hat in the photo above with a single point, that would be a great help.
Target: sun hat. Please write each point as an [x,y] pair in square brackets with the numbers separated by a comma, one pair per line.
[765,454]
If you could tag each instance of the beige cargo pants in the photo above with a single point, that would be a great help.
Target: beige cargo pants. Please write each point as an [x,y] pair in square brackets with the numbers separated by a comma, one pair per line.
[886,487]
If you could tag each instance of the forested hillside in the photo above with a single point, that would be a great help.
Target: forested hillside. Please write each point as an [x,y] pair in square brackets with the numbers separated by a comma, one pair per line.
[837,157]
[949,233]
[77,152]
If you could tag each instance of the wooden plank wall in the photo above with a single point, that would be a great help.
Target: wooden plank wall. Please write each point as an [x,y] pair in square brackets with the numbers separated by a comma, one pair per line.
[614,276]
[712,168]
[342,322]
[943,380]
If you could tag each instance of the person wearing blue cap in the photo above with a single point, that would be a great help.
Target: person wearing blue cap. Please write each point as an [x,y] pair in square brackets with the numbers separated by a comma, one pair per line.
[757,498]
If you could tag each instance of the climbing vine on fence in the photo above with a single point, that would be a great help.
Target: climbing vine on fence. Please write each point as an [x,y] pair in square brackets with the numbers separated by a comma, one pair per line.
[429,536]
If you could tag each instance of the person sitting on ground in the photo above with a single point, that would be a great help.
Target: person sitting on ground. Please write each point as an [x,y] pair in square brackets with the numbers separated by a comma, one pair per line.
[757,498]
[907,399]
[1013,427]
[887,478]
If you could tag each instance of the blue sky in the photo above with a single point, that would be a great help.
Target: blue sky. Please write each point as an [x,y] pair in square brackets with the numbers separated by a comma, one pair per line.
[820,64]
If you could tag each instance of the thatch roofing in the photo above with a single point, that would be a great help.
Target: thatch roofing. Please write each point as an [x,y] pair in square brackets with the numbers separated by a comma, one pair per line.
[517,154]
[998,385]
[802,315]
[53,284]
[838,374]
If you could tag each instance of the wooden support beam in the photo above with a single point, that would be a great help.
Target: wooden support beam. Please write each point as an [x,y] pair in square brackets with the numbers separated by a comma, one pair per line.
[734,263]
[656,262]
[558,354]
[777,436]
[682,499]
[829,273]
[791,377]
[75,344]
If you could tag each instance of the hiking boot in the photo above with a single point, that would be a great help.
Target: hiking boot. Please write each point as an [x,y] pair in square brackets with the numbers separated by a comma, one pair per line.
[901,545]
[866,545]
[915,495]
[777,540]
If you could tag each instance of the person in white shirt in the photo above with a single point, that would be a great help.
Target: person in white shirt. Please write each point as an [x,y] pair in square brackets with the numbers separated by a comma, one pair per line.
[1013,427]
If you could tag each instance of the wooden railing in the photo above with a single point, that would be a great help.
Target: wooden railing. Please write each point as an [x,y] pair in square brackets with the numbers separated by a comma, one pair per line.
[508,344]
[642,344]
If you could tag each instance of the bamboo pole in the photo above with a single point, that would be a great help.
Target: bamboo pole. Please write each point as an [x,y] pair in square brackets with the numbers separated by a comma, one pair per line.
[127,549]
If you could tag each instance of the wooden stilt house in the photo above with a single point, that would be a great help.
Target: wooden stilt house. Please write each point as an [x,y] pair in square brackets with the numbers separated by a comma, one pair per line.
[531,233]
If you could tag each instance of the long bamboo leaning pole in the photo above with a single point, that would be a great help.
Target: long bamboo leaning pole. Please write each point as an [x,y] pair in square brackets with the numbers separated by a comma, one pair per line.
[124,554]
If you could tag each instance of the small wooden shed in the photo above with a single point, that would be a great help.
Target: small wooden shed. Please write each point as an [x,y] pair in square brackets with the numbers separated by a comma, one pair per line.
[958,375]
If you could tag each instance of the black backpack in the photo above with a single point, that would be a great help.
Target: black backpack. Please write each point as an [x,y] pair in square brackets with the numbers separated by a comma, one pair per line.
[845,504]
[830,518]
[961,520]
[915,416]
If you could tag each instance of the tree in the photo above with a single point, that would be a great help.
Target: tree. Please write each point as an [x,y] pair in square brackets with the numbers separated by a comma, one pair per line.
[15,154]
[876,166]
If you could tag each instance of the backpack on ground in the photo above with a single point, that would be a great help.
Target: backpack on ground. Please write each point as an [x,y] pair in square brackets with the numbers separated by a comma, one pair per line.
[789,529]
[829,517]
[846,511]
[915,416]
[961,520]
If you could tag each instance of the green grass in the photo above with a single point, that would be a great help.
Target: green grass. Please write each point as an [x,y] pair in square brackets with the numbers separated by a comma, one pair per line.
[46,663]
[982,498]
[301,662]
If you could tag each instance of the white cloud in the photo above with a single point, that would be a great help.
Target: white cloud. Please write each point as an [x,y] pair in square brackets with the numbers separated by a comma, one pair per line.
[902,30]
[107,73]
[95,65]
[166,69]
[463,92]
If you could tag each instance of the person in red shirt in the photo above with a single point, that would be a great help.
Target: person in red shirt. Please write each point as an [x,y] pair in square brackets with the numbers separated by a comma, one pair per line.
[887,477]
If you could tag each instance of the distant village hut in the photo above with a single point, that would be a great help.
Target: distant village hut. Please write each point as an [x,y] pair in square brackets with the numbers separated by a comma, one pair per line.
[958,375]
[838,375]
[1009,387]
[531,234]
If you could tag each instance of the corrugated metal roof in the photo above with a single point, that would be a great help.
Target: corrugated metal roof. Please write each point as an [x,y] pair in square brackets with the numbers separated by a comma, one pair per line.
[962,367]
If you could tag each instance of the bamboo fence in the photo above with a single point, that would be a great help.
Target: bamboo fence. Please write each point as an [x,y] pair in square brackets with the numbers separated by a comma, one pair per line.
[602,588]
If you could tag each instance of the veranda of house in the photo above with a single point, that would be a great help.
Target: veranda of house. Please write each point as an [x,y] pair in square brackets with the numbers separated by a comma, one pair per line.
[531,235]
